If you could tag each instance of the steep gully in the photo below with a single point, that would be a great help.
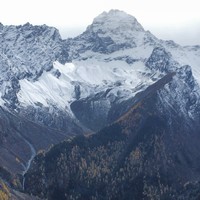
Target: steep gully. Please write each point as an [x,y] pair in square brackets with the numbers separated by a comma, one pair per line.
[27,165]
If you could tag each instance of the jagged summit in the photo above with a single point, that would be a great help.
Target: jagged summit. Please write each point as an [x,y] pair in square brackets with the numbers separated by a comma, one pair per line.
[110,31]
[117,26]
[116,20]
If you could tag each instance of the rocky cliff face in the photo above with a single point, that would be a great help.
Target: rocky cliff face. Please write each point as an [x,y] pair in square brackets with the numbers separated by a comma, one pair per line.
[26,53]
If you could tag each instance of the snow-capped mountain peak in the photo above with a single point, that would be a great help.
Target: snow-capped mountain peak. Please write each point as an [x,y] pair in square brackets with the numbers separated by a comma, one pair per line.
[115,20]
[116,28]
[110,31]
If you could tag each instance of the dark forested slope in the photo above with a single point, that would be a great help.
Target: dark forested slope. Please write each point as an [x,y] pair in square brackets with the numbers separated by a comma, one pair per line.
[148,153]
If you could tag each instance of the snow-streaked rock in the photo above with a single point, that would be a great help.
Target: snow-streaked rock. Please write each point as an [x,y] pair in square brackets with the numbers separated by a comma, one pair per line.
[113,60]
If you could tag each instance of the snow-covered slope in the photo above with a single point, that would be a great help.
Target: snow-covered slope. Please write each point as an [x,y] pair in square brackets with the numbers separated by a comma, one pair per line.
[86,78]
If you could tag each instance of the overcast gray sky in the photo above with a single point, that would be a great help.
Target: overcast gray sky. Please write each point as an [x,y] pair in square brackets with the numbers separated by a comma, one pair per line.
[178,20]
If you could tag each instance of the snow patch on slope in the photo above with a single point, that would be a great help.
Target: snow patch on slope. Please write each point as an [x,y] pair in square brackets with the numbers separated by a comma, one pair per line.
[47,90]
[92,76]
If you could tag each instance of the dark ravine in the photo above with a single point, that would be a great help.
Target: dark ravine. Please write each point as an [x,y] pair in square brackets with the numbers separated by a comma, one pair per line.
[27,166]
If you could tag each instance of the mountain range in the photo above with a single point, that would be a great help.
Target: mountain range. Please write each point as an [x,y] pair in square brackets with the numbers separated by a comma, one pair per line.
[110,114]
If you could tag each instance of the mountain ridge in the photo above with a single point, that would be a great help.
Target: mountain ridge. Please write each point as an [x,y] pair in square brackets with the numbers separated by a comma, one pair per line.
[85,83]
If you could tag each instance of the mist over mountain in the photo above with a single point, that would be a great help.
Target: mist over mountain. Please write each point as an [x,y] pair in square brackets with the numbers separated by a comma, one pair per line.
[110,114]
